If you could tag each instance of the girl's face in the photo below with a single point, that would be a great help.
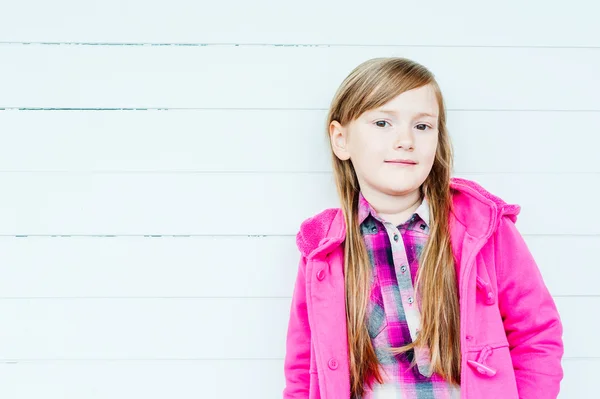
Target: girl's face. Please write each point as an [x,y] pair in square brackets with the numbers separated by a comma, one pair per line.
[405,128]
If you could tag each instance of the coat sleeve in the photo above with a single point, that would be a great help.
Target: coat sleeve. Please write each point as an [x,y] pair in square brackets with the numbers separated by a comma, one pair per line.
[531,320]
[297,355]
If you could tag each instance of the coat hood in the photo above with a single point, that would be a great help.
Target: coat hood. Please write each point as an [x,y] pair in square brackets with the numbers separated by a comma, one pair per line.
[478,210]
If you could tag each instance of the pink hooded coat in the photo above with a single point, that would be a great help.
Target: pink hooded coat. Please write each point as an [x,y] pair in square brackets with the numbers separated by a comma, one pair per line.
[511,332]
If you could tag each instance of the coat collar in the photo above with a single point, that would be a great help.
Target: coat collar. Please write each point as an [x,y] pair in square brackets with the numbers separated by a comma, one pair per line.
[474,207]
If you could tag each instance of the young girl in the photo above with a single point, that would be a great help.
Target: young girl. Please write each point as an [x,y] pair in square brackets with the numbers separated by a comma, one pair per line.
[420,286]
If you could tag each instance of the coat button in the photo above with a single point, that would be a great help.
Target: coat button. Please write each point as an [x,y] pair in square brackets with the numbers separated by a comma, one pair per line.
[482,368]
[333,364]
[321,275]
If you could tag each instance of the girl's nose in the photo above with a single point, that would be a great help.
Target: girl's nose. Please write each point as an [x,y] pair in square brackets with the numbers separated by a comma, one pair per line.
[404,139]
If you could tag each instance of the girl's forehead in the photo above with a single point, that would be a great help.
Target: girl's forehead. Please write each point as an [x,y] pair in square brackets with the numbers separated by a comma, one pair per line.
[421,99]
[417,112]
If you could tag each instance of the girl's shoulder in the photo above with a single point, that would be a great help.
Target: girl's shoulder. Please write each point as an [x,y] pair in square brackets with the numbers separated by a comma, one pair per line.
[467,193]
[478,209]
[328,223]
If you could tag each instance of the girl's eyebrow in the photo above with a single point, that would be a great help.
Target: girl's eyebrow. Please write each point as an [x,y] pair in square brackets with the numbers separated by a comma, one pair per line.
[394,113]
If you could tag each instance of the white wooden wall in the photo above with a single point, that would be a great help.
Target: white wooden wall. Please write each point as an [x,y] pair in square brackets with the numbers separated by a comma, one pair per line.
[157,158]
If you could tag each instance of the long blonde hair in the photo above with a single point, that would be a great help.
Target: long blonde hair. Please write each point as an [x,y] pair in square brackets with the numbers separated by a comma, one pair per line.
[370,85]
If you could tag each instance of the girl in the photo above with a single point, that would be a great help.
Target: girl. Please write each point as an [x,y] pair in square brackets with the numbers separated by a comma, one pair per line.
[420,286]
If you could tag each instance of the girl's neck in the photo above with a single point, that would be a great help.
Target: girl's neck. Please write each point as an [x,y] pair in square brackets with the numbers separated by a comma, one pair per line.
[395,209]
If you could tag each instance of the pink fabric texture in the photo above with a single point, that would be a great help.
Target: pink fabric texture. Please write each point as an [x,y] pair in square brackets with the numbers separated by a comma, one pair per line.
[511,332]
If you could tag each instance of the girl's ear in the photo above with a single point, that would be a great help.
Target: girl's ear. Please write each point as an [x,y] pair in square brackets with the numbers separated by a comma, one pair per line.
[339,140]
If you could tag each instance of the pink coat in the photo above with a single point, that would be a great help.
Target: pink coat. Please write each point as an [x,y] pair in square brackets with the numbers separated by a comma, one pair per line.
[511,332]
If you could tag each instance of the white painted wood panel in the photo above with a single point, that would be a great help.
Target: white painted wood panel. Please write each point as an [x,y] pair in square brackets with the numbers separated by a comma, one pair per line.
[220,266]
[251,379]
[219,203]
[207,267]
[204,133]
[460,22]
[243,140]
[188,379]
[579,378]
[251,77]
[191,328]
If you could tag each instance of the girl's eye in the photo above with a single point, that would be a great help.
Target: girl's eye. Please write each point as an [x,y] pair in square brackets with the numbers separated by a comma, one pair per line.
[382,123]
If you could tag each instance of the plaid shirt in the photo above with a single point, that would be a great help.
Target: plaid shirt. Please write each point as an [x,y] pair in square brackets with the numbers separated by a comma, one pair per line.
[393,317]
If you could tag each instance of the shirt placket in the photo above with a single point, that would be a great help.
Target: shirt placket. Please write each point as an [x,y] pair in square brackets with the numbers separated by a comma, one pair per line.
[407,295]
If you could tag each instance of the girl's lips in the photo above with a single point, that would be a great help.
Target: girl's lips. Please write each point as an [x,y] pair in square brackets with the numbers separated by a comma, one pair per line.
[407,163]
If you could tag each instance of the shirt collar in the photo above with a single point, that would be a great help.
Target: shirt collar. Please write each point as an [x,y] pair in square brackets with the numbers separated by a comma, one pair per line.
[365,209]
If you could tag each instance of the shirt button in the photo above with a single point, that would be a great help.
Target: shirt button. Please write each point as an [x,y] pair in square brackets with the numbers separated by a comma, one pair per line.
[422,227]
[333,364]
[403,269]
[374,230]
[396,237]
[410,299]
[321,275]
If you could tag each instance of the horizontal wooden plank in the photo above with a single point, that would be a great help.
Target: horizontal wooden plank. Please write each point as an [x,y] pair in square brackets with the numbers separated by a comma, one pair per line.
[148,267]
[248,204]
[184,328]
[47,267]
[285,77]
[157,328]
[199,140]
[252,379]
[532,23]
[579,380]
[563,260]
[231,379]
